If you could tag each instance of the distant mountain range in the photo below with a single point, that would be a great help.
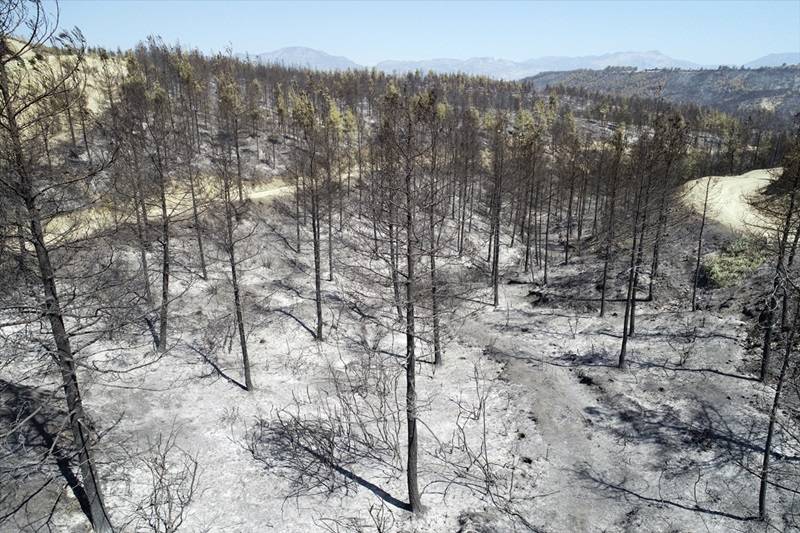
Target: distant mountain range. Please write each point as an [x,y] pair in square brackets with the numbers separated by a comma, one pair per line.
[299,56]
[503,68]
[775,60]
[730,89]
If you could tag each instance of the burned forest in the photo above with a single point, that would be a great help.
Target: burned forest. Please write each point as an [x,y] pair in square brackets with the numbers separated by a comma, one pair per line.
[248,296]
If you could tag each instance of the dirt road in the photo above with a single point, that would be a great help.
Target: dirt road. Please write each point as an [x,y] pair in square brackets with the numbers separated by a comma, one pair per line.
[729,198]
[83,223]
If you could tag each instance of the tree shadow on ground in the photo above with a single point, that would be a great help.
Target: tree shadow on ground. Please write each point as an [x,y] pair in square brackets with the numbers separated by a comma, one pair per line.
[217,368]
[316,457]
[38,429]
[601,358]
[293,317]
[684,445]
[375,489]
[675,368]
[722,439]
[620,490]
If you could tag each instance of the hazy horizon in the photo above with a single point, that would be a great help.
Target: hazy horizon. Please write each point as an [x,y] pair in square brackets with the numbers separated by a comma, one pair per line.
[707,33]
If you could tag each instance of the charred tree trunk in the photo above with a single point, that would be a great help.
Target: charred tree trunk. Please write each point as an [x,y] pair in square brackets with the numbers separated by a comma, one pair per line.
[771,304]
[660,229]
[141,237]
[197,229]
[411,391]
[547,228]
[237,303]
[315,224]
[773,415]
[63,354]
[238,159]
[165,257]
[437,348]
[329,205]
[569,220]
[700,246]
[609,231]
[639,257]
[621,363]
[496,236]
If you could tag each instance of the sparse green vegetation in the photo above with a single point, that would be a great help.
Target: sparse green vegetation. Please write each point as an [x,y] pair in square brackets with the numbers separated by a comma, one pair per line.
[735,261]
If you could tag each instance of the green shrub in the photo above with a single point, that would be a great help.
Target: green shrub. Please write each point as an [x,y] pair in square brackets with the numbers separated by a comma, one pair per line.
[735,261]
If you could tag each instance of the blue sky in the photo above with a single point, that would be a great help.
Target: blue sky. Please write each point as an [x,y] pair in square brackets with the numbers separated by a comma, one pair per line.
[710,32]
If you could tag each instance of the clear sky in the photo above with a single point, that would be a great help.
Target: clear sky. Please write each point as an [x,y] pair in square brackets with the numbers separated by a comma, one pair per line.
[707,32]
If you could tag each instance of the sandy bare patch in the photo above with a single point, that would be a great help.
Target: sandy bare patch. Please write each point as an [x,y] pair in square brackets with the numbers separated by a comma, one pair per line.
[729,198]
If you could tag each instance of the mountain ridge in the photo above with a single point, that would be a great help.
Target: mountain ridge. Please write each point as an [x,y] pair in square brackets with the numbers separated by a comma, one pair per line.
[301,56]
[775,60]
[505,68]
[732,90]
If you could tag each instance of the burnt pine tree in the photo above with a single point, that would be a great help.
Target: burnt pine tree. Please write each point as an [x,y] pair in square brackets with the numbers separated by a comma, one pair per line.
[230,215]
[306,119]
[402,128]
[29,22]
[499,129]
[436,119]
[700,244]
[785,216]
[638,183]
[159,136]
[618,147]
[773,413]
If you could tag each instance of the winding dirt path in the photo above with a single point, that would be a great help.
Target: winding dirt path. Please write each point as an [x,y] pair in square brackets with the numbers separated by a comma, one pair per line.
[729,198]
[558,403]
[83,223]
